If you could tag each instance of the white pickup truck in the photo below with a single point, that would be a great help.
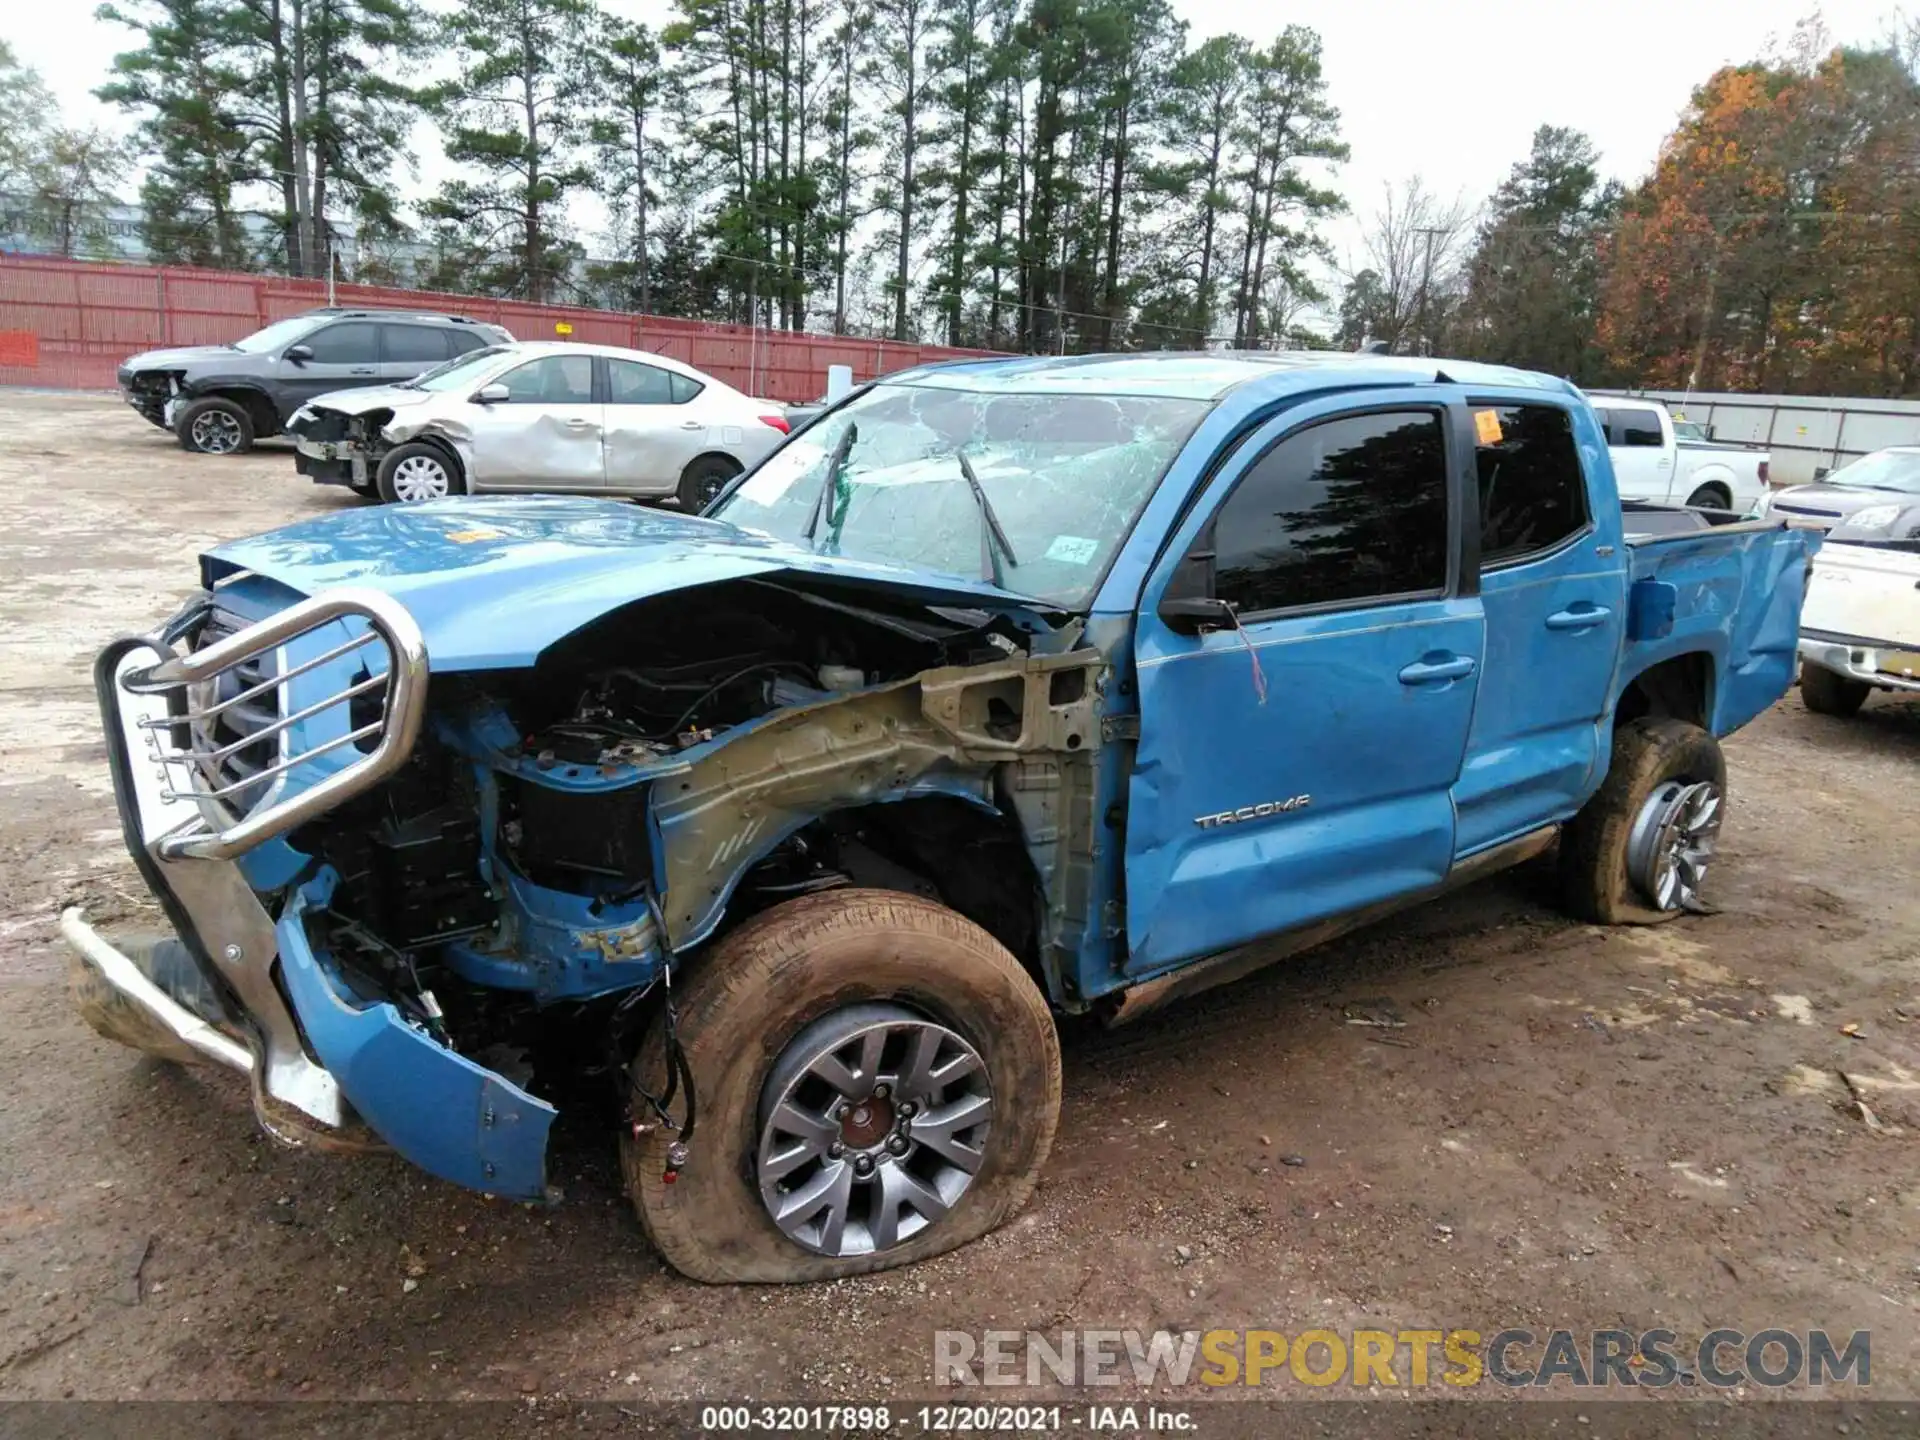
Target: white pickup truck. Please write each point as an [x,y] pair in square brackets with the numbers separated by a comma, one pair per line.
[1860,626]
[1651,463]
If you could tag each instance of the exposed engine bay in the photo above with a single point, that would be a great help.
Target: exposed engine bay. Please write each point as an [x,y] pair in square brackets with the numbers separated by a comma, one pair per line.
[558,831]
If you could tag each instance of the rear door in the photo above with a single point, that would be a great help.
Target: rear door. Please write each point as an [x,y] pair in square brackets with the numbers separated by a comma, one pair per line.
[1300,764]
[1553,585]
[1642,451]
[653,430]
[346,355]
[546,435]
[407,350]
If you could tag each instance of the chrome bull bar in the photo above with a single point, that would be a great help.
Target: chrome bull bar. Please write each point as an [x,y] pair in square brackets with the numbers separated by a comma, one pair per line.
[184,834]
[402,688]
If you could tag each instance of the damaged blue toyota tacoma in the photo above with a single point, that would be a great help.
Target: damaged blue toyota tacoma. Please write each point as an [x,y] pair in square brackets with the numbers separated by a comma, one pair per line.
[775,838]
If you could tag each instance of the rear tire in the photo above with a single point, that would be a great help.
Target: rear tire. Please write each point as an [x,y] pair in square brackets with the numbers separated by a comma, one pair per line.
[215,426]
[1825,693]
[757,998]
[1710,497]
[704,479]
[1650,757]
[415,472]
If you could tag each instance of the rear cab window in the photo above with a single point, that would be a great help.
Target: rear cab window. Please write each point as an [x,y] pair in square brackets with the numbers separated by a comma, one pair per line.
[1532,492]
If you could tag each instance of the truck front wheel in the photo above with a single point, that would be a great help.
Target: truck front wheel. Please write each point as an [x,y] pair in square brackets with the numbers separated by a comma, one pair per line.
[1638,851]
[877,1080]
[1825,693]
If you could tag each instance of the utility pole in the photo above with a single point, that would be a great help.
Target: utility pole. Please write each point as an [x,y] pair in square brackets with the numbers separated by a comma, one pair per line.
[1426,282]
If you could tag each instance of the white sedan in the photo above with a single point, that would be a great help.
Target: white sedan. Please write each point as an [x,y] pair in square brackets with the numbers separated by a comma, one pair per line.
[539,417]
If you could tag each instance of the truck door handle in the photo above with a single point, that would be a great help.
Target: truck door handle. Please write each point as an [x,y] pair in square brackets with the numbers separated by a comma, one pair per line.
[1579,617]
[577,424]
[1434,672]
[692,425]
[361,370]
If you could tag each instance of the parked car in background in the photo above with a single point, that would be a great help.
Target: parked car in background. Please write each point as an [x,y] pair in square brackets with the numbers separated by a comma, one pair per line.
[219,399]
[1651,461]
[542,417]
[1871,492]
[1860,629]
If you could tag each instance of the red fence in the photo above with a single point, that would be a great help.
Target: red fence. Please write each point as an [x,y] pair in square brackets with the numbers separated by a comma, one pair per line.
[69,323]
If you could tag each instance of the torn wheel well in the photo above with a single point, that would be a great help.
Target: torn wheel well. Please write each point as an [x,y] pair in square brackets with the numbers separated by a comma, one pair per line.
[939,846]
[1677,689]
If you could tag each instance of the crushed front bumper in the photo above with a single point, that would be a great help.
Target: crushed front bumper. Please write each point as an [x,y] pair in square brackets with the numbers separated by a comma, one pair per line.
[328,1068]
[1872,662]
[332,462]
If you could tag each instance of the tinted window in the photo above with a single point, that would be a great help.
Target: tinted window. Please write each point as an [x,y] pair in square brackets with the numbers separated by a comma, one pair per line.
[343,345]
[459,342]
[631,383]
[412,344]
[554,380]
[1532,492]
[1630,428]
[685,387]
[1349,510]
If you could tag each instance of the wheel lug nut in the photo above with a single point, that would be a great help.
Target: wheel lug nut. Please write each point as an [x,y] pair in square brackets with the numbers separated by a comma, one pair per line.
[836,1150]
[907,1107]
[863,1165]
[898,1144]
[840,1112]
[880,1092]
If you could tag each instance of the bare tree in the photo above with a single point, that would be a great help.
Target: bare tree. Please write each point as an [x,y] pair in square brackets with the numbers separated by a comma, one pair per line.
[1413,252]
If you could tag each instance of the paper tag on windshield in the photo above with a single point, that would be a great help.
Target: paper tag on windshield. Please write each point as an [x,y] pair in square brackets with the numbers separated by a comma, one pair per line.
[1072,549]
[1486,425]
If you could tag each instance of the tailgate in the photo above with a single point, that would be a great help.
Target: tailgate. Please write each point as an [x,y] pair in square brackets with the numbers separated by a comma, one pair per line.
[1864,592]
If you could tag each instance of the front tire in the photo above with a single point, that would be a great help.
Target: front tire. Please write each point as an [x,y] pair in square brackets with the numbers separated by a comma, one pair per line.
[414,472]
[703,480]
[1637,852]
[944,1120]
[1825,693]
[215,426]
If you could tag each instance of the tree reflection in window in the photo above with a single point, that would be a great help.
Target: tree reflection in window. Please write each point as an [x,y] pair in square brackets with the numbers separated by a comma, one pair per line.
[1346,511]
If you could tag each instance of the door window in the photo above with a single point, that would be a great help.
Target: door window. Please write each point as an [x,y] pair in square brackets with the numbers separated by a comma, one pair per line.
[412,344]
[552,380]
[1533,494]
[353,344]
[1633,429]
[631,383]
[1348,511]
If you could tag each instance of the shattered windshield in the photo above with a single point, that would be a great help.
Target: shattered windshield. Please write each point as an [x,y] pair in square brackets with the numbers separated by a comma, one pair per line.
[1049,486]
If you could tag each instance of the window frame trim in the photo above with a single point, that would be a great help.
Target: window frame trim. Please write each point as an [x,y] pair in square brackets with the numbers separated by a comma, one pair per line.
[1462,579]
[1545,552]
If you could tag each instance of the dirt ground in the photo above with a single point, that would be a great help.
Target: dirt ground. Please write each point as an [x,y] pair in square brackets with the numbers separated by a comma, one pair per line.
[1574,1128]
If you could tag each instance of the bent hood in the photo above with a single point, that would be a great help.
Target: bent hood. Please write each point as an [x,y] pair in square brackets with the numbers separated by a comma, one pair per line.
[372,397]
[493,581]
[181,357]
[1835,499]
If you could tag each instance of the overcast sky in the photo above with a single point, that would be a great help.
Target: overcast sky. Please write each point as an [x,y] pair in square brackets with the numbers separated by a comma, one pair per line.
[1449,91]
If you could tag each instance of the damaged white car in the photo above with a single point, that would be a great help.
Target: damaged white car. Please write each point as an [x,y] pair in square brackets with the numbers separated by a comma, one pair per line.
[1860,630]
[539,418]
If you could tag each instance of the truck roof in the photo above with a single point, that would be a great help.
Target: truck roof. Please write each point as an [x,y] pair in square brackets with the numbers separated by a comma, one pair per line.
[1210,375]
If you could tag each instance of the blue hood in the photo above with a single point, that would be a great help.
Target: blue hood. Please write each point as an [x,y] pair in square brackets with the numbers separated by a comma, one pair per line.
[493,581]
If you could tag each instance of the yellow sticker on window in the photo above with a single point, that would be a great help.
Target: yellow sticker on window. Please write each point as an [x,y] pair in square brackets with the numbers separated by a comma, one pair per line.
[1486,424]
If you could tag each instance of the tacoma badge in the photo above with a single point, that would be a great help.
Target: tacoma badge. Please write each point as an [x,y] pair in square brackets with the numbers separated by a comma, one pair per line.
[1253,812]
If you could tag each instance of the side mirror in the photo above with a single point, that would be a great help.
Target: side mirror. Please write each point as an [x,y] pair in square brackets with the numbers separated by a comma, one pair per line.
[299,354]
[1191,616]
[491,394]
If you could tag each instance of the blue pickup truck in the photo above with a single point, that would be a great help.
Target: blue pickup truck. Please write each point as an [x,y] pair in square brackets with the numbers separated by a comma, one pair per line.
[779,835]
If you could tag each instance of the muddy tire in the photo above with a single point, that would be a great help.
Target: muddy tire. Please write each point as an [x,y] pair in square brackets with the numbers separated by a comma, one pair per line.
[750,1011]
[1650,757]
[704,479]
[1825,693]
[215,426]
[1710,497]
[414,472]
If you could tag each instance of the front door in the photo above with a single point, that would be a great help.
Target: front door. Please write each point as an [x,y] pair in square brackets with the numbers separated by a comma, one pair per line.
[546,435]
[1553,583]
[1299,765]
[345,356]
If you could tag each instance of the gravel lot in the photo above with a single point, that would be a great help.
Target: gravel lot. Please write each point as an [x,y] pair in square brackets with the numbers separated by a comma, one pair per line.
[1575,1127]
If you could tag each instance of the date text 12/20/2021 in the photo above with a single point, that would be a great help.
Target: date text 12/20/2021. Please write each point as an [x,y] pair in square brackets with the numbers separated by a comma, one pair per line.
[944,1419]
